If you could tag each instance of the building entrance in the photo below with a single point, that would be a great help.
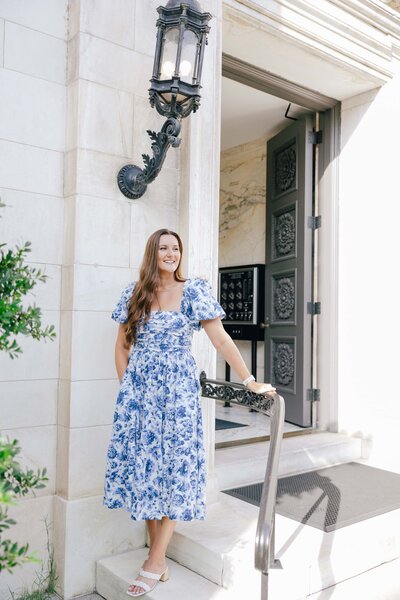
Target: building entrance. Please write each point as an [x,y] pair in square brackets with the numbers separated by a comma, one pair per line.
[269,186]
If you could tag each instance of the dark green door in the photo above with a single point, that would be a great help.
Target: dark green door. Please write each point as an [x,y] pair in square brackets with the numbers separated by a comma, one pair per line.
[288,274]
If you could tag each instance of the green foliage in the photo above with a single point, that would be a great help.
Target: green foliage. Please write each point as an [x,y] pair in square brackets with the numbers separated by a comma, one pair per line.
[35,594]
[44,586]
[14,482]
[16,280]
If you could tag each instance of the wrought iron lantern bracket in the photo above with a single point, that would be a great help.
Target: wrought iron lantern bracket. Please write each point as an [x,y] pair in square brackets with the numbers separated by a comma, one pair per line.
[132,180]
[174,86]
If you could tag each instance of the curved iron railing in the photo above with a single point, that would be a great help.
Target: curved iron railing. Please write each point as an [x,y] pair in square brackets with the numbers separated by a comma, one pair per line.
[274,406]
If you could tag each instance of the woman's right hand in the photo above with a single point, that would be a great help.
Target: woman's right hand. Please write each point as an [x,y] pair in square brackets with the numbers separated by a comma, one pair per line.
[261,388]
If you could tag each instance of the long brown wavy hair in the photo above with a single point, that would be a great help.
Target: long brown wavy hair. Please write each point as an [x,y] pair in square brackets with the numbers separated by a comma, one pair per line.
[149,280]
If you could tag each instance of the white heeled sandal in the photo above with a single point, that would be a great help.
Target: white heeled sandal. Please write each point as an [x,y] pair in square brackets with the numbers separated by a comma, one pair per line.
[146,587]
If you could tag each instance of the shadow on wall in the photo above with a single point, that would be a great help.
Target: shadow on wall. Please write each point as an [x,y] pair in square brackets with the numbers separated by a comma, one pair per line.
[354,110]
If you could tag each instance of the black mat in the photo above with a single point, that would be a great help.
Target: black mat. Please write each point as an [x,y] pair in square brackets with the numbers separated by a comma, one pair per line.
[222,424]
[331,498]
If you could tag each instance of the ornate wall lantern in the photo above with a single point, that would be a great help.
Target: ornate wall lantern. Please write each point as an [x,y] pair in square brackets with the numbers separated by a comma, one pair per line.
[175,85]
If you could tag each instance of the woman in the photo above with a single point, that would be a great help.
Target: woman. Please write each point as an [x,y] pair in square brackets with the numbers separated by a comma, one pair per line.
[156,459]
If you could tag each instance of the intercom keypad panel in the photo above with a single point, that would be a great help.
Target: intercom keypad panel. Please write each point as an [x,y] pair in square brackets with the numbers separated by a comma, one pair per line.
[237,295]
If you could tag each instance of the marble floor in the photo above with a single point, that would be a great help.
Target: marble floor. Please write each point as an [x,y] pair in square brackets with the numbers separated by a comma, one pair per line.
[257,424]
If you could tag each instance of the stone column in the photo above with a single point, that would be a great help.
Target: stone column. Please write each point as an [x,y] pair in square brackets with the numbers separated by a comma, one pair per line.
[199,206]
[110,57]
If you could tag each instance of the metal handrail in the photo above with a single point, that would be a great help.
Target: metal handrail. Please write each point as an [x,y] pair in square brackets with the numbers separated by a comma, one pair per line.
[272,405]
[264,558]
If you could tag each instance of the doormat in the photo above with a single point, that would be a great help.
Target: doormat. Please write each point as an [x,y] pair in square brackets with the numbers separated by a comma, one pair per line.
[331,498]
[222,424]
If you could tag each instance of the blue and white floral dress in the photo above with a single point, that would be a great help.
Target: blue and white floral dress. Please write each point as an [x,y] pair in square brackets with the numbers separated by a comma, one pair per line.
[156,458]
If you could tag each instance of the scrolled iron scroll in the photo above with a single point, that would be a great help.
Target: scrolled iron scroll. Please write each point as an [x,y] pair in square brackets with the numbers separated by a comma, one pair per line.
[235,392]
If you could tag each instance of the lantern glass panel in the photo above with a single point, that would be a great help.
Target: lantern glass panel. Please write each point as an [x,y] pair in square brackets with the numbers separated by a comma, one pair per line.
[168,58]
[188,56]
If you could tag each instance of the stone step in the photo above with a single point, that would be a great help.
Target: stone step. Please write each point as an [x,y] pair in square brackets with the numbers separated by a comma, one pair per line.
[241,465]
[221,549]
[115,573]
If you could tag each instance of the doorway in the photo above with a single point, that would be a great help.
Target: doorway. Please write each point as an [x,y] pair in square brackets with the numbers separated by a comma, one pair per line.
[261,114]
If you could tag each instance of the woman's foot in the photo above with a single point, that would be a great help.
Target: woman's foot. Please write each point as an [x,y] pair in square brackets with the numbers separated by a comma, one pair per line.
[149,566]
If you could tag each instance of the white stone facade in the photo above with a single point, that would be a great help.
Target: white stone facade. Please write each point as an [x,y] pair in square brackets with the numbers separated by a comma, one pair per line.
[74,109]
[33,59]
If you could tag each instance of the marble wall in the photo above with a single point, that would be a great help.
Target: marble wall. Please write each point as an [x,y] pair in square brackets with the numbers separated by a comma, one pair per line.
[243,204]
[242,221]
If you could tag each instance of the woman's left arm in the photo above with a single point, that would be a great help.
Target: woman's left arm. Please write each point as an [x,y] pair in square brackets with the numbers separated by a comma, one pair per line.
[225,346]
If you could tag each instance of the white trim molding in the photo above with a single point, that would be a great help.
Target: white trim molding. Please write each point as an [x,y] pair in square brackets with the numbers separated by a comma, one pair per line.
[267,82]
[358,34]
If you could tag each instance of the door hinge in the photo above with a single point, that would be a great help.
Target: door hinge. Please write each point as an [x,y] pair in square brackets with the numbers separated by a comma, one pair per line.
[314,222]
[314,308]
[315,137]
[314,395]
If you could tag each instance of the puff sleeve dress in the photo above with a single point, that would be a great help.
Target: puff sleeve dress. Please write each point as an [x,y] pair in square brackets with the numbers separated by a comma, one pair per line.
[155,458]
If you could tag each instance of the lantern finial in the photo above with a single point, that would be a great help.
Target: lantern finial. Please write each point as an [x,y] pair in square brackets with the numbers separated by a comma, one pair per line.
[194,4]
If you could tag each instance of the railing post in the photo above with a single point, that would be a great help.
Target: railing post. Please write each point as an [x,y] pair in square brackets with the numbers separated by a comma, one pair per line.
[272,544]
[264,586]
[264,557]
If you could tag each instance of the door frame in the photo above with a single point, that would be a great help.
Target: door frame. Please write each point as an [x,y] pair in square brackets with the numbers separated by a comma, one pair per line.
[328,244]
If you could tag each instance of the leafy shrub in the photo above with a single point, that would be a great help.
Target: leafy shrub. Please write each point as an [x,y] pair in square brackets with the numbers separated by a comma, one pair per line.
[14,482]
[16,280]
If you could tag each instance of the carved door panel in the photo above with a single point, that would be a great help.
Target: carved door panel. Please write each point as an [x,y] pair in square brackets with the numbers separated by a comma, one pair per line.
[288,276]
